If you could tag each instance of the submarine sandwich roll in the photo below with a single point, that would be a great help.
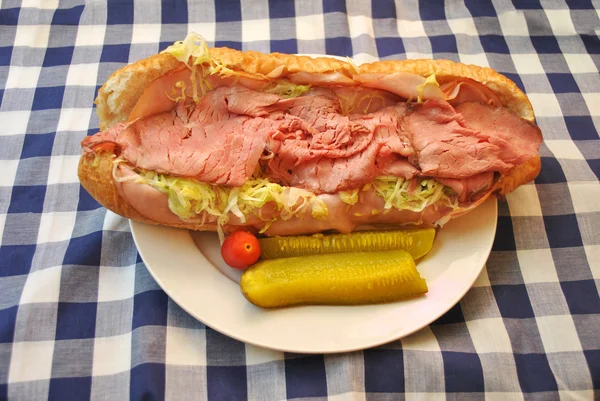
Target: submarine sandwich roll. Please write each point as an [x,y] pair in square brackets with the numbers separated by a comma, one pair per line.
[218,139]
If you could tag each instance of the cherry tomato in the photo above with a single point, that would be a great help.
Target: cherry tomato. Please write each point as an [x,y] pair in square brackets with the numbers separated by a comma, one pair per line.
[240,250]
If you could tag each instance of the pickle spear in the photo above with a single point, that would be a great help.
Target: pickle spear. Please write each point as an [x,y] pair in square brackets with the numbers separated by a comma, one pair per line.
[350,278]
[417,242]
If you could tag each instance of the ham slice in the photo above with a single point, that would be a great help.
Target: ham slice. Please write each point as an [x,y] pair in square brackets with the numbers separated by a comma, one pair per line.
[146,200]
[407,85]
[466,90]
[469,189]
[160,94]
[330,78]
[403,84]
[375,91]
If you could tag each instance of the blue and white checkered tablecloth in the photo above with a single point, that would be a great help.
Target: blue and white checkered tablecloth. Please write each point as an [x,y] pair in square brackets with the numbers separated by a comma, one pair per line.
[80,316]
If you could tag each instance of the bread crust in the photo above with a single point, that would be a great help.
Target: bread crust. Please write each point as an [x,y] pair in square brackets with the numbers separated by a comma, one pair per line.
[118,96]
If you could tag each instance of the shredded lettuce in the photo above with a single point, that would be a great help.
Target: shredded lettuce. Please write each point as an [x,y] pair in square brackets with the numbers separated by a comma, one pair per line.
[353,65]
[349,197]
[395,191]
[222,69]
[420,88]
[193,50]
[319,209]
[255,193]
[287,89]
[178,87]
[189,198]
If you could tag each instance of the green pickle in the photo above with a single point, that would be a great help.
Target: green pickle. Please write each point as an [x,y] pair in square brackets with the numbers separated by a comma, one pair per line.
[417,242]
[351,278]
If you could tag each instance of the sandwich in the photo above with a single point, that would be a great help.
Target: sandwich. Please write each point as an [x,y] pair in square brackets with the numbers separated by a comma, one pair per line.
[216,139]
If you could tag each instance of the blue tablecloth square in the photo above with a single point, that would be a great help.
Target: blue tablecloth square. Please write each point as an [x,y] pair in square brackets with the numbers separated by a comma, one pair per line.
[384,371]
[562,231]
[513,301]
[226,382]
[581,128]
[75,320]
[582,296]
[535,373]
[88,244]
[148,382]
[150,308]
[38,145]
[8,315]
[48,98]
[458,365]
[305,377]
[77,388]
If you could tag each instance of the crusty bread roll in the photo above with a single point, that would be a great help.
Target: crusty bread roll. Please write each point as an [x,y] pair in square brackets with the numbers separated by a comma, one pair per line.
[118,96]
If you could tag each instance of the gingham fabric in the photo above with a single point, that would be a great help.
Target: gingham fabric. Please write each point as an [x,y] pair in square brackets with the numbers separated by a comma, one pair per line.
[80,316]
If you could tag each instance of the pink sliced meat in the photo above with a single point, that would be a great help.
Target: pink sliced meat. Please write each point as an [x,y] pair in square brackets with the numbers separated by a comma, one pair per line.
[403,84]
[330,78]
[469,140]
[311,142]
[465,90]
[468,189]
[515,139]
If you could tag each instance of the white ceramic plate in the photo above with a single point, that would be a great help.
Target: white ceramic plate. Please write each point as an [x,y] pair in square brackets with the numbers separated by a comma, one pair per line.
[198,280]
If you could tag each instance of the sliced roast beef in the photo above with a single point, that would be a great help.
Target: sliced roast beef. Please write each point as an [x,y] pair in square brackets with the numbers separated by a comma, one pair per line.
[309,142]
[327,175]
[221,152]
[469,140]
[515,139]
[242,102]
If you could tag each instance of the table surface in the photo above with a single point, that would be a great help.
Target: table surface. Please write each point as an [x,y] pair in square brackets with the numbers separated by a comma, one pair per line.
[80,316]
